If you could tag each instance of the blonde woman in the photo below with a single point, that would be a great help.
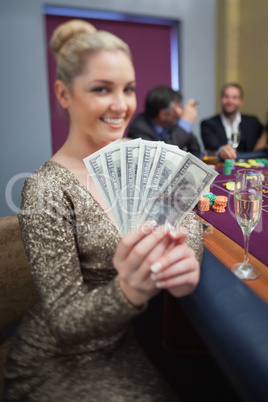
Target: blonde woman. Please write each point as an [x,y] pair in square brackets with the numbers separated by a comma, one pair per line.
[77,343]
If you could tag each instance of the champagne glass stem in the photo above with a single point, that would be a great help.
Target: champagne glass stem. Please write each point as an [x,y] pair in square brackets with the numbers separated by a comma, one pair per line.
[246,244]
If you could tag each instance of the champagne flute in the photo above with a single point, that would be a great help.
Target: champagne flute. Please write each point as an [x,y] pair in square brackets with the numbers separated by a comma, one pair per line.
[235,139]
[248,207]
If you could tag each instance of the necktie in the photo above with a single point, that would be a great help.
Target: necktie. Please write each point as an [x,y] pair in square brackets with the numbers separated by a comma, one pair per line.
[165,135]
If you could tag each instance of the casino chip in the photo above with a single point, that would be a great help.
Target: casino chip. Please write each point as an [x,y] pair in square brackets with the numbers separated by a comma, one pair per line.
[221,200]
[230,185]
[262,161]
[203,204]
[243,164]
[218,208]
[220,204]
[253,163]
[211,197]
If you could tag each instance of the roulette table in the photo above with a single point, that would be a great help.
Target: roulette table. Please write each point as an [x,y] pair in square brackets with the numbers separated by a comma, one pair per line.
[226,222]
[229,314]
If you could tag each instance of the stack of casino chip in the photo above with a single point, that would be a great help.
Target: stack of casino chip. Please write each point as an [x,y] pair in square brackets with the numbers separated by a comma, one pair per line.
[203,204]
[220,204]
[227,167]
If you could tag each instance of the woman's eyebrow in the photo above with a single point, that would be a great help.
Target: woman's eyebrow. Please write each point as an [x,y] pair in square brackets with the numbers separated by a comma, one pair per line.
[97,81]
[106,82]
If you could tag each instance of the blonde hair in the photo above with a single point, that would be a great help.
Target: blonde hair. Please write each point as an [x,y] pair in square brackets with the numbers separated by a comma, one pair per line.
[73,41]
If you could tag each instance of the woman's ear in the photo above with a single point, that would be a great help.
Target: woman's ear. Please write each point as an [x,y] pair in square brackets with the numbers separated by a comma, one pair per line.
[62,94]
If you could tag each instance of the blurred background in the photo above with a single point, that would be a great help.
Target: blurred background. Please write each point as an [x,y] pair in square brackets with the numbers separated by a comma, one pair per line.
[211,42]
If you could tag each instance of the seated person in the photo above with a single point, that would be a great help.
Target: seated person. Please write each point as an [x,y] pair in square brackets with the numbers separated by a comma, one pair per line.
[216,132]
[77,343]
[165,120]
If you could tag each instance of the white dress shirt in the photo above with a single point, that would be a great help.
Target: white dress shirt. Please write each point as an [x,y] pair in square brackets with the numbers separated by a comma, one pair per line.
[231,127]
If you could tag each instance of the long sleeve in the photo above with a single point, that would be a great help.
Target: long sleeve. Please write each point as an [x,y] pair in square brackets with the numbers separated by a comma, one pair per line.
[211,136]
[184,140]
[251,129]
[195,238]
[77,342]
[65,242]
[141,127]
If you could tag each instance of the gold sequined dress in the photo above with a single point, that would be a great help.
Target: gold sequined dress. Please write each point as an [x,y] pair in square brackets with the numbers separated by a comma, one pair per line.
[77,343]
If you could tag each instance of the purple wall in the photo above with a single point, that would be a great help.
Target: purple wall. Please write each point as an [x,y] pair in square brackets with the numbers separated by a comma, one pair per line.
[150,46]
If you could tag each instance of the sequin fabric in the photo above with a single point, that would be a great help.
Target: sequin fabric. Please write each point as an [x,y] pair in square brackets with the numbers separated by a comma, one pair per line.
[77,343]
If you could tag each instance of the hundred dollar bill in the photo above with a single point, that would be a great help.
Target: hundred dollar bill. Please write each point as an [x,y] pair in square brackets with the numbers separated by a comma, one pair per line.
[111,162]
[145,161]
[130,151]
[182,191]
[174,155]
[100,177]
[95,168]
[166,161]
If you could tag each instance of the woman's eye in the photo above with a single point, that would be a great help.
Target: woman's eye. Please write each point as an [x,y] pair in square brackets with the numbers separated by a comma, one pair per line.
[100,90]
[130,89]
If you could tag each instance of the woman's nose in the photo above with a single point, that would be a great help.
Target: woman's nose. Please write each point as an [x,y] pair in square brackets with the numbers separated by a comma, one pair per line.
[119,102]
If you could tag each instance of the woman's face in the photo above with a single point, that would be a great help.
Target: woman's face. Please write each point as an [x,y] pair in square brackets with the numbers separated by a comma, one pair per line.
[103,99]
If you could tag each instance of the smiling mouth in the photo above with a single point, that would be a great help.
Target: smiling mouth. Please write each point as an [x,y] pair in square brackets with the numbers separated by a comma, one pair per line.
[230,107]
[115,122]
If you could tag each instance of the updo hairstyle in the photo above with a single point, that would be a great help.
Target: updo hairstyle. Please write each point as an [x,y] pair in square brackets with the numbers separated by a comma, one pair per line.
[73,41]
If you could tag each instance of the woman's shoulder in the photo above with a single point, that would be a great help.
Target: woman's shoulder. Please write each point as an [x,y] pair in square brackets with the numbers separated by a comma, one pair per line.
[49,174]
[49,181]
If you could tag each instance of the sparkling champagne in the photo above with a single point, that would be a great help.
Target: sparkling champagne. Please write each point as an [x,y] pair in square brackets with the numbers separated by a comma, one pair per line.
[248,206]
[248,210]
[235,139]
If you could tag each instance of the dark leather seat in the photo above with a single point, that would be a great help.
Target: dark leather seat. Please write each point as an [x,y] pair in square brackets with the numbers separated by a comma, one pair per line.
[17,291]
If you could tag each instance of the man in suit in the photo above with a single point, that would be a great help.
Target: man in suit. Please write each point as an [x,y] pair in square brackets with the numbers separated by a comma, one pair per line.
[165,120]
[216,132]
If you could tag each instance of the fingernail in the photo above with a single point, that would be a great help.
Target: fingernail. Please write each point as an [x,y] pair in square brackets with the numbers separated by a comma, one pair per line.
[173,233]
[168,227]
[153,277]
[158,284]
[156,277]
[156,267]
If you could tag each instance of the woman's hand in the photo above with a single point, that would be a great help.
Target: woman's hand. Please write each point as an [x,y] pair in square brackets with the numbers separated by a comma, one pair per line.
[149,259]
[178,270]
[136,252]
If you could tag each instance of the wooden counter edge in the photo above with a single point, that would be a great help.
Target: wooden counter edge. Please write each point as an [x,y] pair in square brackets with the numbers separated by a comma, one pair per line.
[229,253]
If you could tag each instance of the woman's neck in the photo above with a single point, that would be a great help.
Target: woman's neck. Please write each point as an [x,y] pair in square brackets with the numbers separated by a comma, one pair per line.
[71,156]
[78,148]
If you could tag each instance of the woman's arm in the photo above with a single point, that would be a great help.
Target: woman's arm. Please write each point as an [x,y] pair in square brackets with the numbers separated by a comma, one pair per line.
[73,312]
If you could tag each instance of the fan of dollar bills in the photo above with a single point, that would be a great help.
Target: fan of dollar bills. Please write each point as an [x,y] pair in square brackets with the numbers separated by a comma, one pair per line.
[143,180]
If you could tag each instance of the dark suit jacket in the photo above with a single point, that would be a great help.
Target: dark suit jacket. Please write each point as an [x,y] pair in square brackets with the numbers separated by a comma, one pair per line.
[214,136]
[142,128]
